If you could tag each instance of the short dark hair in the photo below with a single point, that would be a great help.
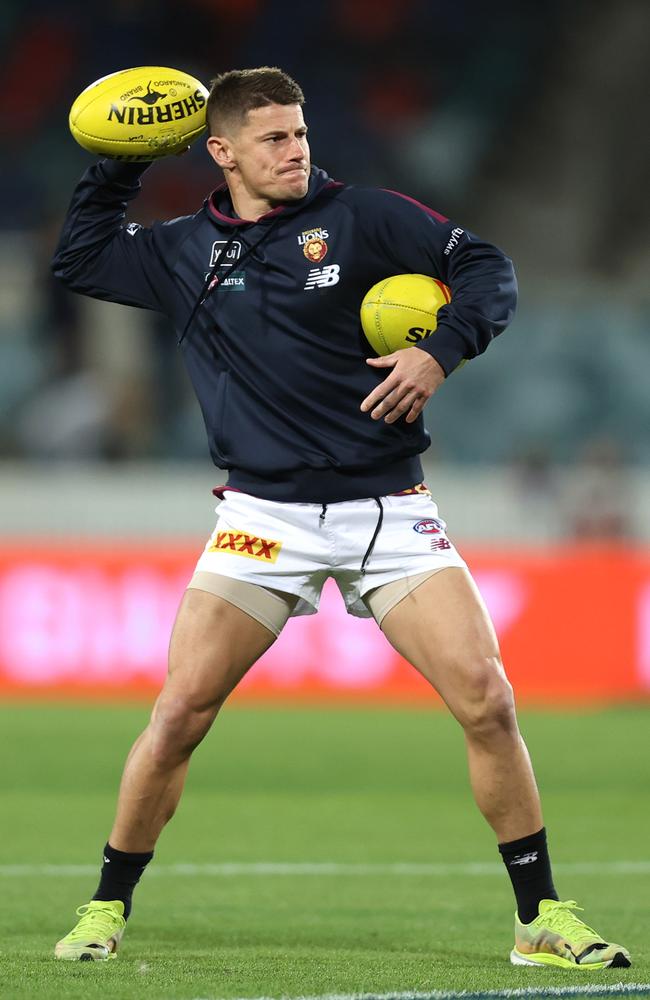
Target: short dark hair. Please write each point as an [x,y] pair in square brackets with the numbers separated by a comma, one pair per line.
[234,94]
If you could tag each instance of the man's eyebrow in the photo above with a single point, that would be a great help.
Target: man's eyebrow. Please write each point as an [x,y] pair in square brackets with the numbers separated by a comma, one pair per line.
[282,131]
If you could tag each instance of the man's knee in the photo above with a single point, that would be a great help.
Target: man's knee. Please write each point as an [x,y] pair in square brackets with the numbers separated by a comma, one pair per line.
[178,724]
[487,707]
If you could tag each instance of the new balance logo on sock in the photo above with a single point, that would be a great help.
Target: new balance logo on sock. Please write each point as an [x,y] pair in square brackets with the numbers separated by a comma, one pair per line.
[107,861]
[525,859]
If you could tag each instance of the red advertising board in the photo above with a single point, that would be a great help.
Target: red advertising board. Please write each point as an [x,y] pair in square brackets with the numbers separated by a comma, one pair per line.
[94,621]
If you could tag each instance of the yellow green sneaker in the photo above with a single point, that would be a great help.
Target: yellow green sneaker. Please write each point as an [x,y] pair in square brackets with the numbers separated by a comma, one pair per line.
[557,937]
[97,935]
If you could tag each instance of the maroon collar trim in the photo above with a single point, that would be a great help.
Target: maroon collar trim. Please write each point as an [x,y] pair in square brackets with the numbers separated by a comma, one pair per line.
[229,220]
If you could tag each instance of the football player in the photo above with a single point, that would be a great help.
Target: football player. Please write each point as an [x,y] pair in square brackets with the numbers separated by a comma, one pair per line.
[321,446]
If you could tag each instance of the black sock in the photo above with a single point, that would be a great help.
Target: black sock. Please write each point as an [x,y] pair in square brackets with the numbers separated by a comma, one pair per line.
[121,873]
[529,868]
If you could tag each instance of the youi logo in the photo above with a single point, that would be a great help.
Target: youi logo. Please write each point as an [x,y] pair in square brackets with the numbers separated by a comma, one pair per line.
[429,526]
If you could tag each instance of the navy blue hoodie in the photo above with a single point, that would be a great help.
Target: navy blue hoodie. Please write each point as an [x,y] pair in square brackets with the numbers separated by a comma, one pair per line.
[271,337]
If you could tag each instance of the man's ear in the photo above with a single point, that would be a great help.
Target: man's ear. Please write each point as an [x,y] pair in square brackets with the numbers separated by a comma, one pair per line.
[221,151]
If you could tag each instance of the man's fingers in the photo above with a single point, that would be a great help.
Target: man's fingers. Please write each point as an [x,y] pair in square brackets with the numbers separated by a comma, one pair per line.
[380,392]
[415,377]
[387,361]
[392,400]
[416,409]
[407,403]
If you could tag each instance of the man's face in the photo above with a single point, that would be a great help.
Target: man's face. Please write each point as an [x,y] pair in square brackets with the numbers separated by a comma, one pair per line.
[270,153]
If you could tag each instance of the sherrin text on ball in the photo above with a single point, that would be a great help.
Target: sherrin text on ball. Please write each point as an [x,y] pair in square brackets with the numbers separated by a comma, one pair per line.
[140,114]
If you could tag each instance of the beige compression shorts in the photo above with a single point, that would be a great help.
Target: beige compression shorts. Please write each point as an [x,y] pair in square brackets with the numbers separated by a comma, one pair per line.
[271,559]
[273,608]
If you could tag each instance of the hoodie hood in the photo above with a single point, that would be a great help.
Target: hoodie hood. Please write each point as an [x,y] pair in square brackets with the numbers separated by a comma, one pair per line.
[220,208]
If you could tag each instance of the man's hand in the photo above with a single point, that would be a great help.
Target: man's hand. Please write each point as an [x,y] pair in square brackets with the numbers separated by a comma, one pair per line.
[414,378]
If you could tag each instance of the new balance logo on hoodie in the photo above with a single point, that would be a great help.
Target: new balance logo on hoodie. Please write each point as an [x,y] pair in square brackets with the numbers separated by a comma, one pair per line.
[322,277]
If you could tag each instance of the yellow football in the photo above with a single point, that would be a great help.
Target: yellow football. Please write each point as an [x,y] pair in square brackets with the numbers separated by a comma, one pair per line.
[402,311]
[139,114]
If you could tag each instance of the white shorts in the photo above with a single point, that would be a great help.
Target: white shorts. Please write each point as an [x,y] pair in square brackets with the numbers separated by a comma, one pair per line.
[292,548]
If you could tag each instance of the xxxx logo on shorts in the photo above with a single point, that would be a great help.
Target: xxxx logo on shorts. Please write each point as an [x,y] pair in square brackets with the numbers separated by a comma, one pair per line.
[239,543]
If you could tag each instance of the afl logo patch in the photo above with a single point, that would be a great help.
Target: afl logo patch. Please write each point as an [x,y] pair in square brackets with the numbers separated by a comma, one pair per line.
[429,526]
[315,250]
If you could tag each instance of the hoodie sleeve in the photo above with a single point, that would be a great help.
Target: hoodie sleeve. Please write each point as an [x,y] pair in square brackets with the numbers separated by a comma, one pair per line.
[100,256]
[483,285]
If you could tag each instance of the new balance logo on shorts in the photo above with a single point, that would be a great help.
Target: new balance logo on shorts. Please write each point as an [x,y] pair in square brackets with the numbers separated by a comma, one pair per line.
[239,543]
[322,277]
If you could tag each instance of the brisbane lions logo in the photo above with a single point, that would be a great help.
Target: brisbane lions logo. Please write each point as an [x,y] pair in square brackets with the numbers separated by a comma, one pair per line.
[313,243]
[315,250]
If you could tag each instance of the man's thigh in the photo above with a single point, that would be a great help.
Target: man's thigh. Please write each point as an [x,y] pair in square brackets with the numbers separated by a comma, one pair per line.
[271,608]
[443,628]
[213,644]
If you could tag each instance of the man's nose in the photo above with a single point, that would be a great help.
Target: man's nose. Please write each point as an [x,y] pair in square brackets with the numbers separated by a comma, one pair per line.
[296,152]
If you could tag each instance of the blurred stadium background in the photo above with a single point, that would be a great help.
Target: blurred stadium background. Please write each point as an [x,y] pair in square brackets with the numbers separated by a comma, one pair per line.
[524,127]
[523,123]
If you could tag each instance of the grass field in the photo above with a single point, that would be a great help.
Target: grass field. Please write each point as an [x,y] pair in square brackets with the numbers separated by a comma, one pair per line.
[350,794]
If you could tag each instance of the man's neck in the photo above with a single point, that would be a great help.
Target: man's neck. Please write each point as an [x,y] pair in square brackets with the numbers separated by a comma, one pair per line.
[247,206]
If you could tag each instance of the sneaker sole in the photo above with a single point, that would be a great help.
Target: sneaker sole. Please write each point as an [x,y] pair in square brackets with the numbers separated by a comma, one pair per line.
[619,961]
[86,952]
[85,955]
